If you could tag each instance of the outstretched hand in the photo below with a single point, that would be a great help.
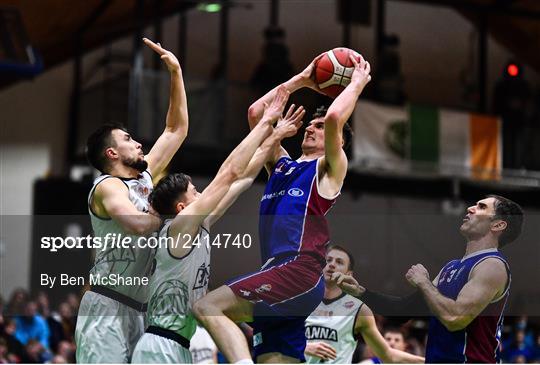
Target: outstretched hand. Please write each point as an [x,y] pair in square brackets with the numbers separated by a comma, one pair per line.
[167,56]
[274,111]
[348,284]
[288,125]
[308,74]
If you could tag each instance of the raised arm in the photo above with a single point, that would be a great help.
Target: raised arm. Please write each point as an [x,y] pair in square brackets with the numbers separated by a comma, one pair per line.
[334,164]
[286,127]
[301,80]
[366,326]
[176,124]
[231,170]
[256,110]
[111,200]
[488,282]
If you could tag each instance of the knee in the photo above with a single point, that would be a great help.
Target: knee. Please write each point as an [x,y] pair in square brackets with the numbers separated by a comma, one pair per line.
[202,308]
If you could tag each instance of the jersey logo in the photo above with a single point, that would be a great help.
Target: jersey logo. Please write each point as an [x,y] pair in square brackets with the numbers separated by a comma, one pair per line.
[203,273]
[295,192]
[245,293]
[290,170]
[118,259]
[264,288]
[321,333]
[349,304]
[170,299]
[279,167]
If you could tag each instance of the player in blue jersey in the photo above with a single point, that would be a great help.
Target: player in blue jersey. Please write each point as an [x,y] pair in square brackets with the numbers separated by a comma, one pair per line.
[467,298]
[293,235]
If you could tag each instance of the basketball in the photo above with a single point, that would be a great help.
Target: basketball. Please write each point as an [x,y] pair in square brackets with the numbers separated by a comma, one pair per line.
[333,71]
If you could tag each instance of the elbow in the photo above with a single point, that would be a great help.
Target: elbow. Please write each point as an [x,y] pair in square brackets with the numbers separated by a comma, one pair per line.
[331,117]
[454,323]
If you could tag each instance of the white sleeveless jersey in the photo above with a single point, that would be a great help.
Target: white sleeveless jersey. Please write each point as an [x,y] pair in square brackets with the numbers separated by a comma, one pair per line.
[177,283]
[121,262]
[333,322]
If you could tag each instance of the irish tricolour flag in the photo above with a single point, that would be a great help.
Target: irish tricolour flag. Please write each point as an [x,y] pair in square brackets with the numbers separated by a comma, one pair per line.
[423,137]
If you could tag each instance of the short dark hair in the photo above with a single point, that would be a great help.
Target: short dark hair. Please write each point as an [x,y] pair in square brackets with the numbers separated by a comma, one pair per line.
[320,112]
[394,329]
[512,214]
[343,249]
[167,192]
[98,142]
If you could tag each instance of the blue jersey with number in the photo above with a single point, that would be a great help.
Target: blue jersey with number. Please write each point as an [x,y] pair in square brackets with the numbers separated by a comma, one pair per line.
[479,342]
[292,212]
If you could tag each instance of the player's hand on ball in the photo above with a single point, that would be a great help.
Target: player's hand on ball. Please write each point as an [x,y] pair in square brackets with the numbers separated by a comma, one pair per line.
[321,350]
[348,284]
[417,274]
[167,56]
[274,111]
[308,74]
[288,125]
[361,71]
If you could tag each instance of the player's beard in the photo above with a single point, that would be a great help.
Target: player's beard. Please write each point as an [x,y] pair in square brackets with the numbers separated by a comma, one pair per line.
[139,165]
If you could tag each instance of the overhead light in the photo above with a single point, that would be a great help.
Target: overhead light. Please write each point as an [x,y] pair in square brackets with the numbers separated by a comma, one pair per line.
[210,7]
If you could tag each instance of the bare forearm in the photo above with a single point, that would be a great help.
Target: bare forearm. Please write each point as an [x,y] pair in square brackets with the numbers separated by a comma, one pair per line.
[177,114]
[140,224]
[343,106]
[443,307]
[240,157]
[402,357]
[256,110]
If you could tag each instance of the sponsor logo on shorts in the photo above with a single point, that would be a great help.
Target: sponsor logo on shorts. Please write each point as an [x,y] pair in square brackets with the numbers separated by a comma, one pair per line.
[245,293]
[295,192]
[264,288]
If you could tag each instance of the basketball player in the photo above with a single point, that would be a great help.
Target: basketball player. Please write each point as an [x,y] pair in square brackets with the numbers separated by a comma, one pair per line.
[333,328]
[293,235]
[110,319]
[468,296]
[183,266]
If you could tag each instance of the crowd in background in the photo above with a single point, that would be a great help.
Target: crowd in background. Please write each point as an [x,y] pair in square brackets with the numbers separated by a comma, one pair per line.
[32,331]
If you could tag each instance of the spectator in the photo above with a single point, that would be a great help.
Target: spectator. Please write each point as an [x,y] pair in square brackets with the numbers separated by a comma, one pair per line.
[15,347]
[66,349]
[32,326]
[3,351]
[16,303]
[58,359]
[519,348]
[73,300]
[67,320]
[35,353]
[56,330]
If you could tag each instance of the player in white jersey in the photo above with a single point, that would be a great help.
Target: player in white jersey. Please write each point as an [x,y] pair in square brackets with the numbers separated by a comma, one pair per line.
[183,264]
[334,326]
[111,317]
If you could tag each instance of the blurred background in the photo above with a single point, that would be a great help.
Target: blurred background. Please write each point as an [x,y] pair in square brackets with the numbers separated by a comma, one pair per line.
[452,114]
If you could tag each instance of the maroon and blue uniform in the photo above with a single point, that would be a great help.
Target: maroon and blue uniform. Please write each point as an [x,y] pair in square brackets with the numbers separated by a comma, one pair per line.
[479,342]
[293,236]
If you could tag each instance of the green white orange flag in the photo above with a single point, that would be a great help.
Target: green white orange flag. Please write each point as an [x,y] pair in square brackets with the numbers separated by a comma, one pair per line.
[427,138]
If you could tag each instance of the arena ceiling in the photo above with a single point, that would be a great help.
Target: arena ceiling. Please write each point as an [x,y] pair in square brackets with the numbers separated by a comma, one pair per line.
[52,24]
